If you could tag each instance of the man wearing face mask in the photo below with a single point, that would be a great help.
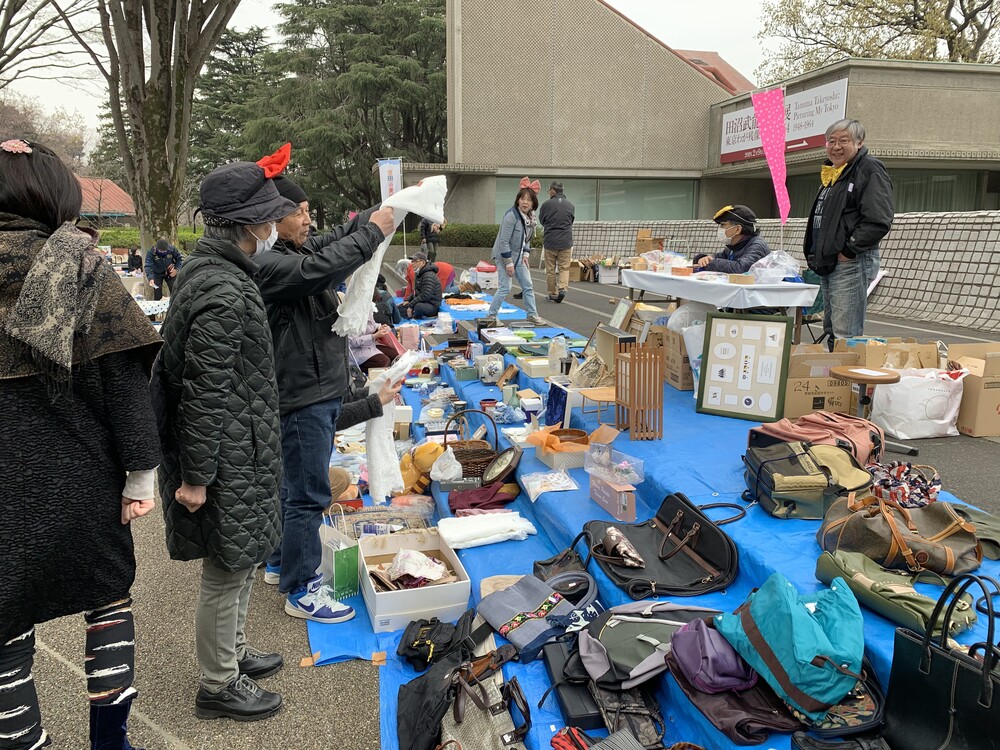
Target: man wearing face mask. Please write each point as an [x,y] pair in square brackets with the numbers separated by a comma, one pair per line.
[298,278]
[216,403]
[163,261]
[743,244]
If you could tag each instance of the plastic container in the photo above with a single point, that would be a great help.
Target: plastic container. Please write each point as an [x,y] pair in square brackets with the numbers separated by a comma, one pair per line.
[612,465]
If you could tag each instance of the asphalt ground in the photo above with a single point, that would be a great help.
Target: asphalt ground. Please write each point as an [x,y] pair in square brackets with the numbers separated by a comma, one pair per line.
[337,706]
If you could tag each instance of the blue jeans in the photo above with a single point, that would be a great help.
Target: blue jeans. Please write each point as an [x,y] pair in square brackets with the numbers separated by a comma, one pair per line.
[523,278]
[845,294]
[306,445]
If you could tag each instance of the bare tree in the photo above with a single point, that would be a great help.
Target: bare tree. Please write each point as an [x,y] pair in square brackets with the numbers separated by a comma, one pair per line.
[150,54]
[35,43]
[817,32]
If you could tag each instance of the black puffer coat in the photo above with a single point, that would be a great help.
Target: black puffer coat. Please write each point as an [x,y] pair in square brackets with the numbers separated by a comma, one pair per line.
[217,406]
[427,287]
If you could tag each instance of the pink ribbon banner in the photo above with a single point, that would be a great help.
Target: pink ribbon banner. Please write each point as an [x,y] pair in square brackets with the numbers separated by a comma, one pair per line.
[769,109]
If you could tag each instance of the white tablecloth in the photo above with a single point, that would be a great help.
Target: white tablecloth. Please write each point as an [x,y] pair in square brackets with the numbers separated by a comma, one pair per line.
[149,307]
[723,294]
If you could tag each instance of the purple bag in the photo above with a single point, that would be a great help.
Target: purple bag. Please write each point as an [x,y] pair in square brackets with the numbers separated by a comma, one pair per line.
[709,662]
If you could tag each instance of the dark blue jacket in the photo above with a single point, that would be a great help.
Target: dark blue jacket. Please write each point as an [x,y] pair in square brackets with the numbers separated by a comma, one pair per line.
[156,265]
[739,257]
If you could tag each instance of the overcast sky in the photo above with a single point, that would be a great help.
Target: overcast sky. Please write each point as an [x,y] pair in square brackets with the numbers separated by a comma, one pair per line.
[679,23]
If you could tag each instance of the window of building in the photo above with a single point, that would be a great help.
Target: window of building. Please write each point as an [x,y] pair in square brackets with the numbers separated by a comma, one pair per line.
[912,190]
[646,200]
[620,200]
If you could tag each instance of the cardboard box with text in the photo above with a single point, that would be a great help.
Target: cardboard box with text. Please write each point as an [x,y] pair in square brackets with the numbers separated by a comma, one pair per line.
[810,388]
[980,412]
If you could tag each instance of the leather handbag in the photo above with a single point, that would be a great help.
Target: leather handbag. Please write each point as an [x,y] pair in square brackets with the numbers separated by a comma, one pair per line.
[941,697]
[480,718]
[890,593]
[563,562]
[747,717]
[684,552]
[934,537]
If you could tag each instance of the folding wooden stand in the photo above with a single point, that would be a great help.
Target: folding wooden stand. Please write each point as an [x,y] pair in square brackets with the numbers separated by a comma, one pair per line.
[639,390]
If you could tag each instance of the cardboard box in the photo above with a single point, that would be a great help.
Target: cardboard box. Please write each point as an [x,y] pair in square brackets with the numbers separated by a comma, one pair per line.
[394,610]
[744,279]
[676,365]
[616,499]
[534,367]
[979,415]
[606,341]
[638,263]
[404,414]
[401,431]
[645,241]
[561,461]
[897,352]
[607,274]
[575,270]
[809,386]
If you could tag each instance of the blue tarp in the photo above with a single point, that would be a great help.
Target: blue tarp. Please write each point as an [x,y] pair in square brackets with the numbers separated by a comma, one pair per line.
[507,311]
[700,455]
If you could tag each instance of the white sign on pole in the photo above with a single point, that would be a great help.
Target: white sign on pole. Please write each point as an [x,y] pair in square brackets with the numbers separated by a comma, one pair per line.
[390,176]
[807,116]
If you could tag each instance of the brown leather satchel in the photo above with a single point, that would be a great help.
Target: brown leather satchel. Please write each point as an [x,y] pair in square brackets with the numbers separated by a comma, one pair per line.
[931,538]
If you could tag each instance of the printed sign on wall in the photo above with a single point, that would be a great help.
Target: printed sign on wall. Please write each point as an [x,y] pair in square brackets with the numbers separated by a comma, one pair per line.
[745,366]
[807,116]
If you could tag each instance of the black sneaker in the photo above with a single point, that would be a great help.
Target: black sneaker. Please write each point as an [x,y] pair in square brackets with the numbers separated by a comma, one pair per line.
[561,296]
[519,295]
[243,700]
[257,664]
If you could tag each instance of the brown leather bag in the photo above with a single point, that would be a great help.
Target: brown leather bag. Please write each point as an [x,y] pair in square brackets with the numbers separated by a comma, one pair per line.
[931,538]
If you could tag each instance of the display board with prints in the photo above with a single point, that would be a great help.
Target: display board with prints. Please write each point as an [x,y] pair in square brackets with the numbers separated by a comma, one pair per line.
[744,366]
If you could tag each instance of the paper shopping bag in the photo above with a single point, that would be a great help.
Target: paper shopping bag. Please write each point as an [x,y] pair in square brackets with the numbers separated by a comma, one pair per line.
[339,566]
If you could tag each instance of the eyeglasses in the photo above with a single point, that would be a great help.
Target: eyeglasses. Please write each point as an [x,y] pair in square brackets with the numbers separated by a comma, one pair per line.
[840,142]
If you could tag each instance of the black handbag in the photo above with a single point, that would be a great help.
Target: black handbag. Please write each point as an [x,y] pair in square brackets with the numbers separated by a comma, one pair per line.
[562,562]
[943,698]
[685,553]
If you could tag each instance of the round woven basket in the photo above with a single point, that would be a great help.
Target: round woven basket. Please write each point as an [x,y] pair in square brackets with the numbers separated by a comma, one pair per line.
[473,455]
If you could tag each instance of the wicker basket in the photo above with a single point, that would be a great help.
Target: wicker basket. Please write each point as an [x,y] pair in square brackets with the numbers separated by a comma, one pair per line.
[473,455]
[572,436]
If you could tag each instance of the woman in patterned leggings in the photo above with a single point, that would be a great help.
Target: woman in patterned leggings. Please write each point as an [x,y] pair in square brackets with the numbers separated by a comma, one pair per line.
[78,441]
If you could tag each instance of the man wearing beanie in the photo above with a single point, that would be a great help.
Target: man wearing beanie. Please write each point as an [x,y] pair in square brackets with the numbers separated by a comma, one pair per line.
[298,278]
[739,233]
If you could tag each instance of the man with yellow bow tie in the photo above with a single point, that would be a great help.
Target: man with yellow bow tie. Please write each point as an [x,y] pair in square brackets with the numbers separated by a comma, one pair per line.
[851,214]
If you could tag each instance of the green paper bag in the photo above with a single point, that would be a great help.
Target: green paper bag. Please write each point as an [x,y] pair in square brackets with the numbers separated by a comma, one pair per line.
[339,566]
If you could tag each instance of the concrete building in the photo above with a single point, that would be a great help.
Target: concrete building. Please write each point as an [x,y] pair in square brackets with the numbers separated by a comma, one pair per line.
[639,131]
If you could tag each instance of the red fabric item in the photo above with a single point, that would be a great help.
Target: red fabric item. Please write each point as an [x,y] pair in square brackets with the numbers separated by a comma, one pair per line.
[275,164]
[483,498]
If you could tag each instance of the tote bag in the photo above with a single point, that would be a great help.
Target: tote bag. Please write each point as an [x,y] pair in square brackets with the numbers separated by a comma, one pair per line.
[339,561]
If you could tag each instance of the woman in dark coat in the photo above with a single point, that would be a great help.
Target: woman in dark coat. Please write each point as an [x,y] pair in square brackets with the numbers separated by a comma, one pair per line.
[78,443]
[216,401]
[427,296]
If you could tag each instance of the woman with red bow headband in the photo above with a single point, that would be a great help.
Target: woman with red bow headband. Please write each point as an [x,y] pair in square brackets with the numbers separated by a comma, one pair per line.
[512,249]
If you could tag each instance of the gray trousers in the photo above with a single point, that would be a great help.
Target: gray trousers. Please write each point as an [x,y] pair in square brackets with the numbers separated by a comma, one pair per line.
[220,622]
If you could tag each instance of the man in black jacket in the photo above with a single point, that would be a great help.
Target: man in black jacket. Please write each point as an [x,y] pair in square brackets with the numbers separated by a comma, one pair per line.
[851,214]
[216,400]
[557,215]
[298,278]
[427,295]
[163,261]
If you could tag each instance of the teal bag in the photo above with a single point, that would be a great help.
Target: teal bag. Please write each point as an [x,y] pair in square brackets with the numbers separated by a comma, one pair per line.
[808,648]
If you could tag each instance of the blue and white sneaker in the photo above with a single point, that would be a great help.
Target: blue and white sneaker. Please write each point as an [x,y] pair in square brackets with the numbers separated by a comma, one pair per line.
[272,574]
[315,602]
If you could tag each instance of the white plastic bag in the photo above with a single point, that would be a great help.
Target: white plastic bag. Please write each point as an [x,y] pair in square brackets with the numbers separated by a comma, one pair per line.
[557,350]
[774,267]
[694,343]
[446,468]
[923,404]
[426,199]
[384,476]
[689,314]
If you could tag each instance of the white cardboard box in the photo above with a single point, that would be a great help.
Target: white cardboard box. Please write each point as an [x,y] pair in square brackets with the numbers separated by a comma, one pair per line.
[394,610]
[607,274]
[488,280]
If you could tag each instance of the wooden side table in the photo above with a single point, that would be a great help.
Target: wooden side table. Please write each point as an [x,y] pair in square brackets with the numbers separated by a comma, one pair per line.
[603,397]
[867,378]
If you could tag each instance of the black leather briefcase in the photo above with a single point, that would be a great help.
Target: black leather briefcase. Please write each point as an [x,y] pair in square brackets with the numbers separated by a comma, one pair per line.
[685,553]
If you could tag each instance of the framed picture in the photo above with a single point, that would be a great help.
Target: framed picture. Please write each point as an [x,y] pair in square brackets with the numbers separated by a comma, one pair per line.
[622,315]
[744,366]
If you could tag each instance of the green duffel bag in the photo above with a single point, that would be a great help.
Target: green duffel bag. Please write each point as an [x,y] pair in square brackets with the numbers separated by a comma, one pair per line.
[890,593]
[800,480]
